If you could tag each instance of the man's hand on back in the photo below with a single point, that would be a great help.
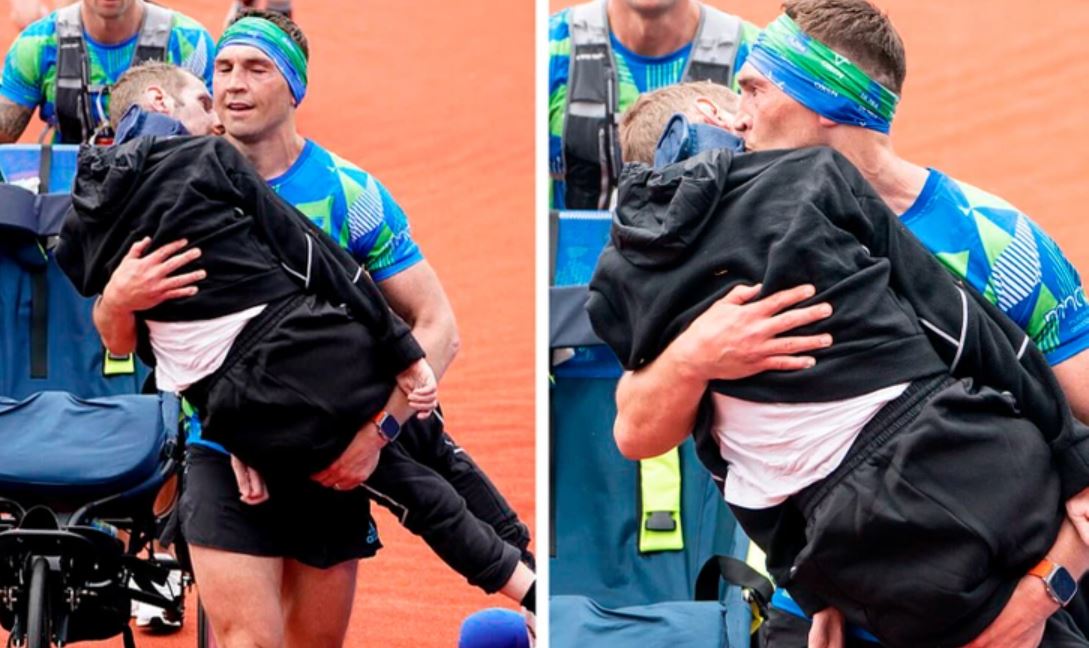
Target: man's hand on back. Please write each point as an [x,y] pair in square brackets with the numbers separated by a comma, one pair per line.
[142,282]
[737,337]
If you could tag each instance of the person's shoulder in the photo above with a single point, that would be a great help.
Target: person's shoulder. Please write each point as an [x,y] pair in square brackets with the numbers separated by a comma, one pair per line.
[351,175]
[349,178]
[559,26]
[38,34]
[749,31]
[976,197]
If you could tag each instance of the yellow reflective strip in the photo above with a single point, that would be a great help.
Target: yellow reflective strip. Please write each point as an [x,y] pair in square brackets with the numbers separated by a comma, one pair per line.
[118,365]
[660,487]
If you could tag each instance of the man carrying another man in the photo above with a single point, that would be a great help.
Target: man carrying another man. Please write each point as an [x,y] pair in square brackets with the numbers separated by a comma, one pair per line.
[260,79]
[787,102]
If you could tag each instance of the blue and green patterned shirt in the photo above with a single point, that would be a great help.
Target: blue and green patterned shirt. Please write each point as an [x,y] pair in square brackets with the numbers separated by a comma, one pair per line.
[29,76]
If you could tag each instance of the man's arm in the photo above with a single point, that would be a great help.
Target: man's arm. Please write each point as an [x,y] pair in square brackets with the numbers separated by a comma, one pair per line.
[735,338]
[417,296]
[13,120]
[1021,622]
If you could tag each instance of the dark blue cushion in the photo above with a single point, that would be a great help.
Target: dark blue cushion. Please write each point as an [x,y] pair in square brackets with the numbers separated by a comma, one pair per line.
[56,444]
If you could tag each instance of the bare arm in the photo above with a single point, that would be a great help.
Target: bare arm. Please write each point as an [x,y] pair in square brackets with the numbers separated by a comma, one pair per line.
[141,282]
[1073,376]
[1021,622]
[417,296]
[13,120]
[735,338]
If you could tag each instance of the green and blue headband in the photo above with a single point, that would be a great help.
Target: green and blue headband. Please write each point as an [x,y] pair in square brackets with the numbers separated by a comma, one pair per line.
[815,76]
[276,44]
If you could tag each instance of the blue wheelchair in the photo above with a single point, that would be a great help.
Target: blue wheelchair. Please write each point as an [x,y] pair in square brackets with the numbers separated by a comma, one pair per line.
[90,468]
[75,475]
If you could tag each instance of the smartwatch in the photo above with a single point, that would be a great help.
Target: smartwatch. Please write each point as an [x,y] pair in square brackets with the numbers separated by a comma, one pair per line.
[388,427]
[1060,585]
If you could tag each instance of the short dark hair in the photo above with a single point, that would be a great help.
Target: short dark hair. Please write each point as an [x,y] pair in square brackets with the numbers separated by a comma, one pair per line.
[281,21]
[858,30]
[130,87]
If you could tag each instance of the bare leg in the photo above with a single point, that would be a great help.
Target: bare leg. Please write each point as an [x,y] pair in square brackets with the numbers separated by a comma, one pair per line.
[317,604]
[241,595]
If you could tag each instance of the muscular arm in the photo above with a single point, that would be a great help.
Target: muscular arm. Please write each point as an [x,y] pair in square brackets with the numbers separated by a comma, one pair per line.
[735,338]
[1073,376]
[418,297]
[13,120]
[116,326]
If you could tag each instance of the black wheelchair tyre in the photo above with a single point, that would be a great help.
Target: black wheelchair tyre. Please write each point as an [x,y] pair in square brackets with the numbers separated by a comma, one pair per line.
[37,625]
[205,637]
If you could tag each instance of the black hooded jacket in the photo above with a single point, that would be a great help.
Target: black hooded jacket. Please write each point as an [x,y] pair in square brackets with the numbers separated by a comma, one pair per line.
[255,247]
[683,236]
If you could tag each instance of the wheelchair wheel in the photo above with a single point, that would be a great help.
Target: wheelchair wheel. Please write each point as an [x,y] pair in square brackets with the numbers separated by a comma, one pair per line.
[37,625]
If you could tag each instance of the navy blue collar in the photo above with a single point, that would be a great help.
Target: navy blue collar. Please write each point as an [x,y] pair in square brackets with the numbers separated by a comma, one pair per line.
[138,122]
[683,139]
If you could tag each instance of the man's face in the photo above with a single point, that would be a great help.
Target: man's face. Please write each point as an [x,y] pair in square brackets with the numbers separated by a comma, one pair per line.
[768,118]
[251,96]
[108,8]
[194,109]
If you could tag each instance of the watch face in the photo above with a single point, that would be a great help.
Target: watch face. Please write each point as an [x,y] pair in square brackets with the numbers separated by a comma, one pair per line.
[1063,585]
[389,427]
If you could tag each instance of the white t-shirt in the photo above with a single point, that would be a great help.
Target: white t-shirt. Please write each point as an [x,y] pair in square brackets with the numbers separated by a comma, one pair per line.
[185,352]
[777,449]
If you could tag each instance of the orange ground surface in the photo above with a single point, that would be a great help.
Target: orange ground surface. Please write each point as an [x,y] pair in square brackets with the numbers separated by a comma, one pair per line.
[996,95]
[435,99]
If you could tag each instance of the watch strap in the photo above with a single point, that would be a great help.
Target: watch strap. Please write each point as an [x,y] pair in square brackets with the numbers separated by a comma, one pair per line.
[1043,569]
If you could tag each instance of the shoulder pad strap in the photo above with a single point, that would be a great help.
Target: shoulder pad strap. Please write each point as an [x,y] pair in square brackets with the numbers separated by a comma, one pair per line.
[154,34]
[69,23]
[715,47]
[69,100]
[588,24]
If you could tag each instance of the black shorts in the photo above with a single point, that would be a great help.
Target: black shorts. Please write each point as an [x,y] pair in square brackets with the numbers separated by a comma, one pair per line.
[301,520]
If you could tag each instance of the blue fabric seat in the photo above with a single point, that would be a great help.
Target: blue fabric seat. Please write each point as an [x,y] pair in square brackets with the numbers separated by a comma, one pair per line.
[55,444]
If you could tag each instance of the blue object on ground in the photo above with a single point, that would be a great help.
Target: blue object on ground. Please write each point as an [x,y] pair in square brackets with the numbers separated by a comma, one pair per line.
[494,628]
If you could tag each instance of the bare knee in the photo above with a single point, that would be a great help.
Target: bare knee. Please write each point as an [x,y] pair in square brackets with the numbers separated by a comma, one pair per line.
[232,634]
[318,604]
[241,595]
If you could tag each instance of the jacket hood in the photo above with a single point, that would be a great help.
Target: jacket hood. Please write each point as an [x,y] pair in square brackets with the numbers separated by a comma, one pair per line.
[137,122]
[660,212]
[682,139]
[106,176]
